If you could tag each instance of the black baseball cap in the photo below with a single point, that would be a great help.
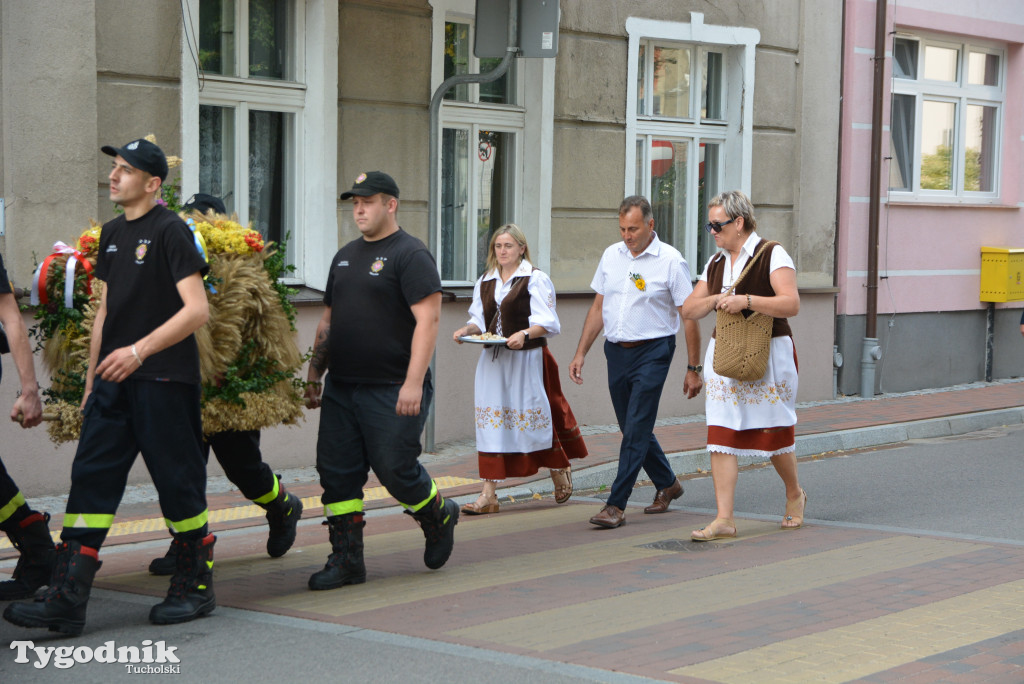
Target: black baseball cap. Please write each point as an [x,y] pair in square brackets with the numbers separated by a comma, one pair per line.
[203,203]
[371,183]
[143,155]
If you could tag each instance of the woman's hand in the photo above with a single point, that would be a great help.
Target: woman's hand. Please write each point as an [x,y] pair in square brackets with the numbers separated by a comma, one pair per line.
[516,340]
[465,331]
[732,303]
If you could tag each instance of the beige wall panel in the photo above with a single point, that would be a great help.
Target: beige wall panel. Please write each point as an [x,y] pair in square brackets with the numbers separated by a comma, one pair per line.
[588,167]
[590,79]
[776,97]
[577,244]
[774,168]
[383,54]
[389,139]
[139,37]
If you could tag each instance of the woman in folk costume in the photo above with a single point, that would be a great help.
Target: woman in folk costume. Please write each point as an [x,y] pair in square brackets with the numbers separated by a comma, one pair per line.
[523,421]
[753,418]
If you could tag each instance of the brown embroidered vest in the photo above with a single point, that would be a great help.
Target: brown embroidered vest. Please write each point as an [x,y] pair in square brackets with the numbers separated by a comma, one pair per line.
[515,309]
[757,283]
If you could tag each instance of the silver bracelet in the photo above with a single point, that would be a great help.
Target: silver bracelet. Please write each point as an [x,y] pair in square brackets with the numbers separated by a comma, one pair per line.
[136,355]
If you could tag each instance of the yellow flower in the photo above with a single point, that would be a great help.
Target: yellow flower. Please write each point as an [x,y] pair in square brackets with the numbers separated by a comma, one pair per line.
[639,281]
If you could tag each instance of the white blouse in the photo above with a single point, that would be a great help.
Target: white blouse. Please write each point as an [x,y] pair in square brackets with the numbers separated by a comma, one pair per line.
[542,299]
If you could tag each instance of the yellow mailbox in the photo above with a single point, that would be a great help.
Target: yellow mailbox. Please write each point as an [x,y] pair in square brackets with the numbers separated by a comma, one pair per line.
[1002,274]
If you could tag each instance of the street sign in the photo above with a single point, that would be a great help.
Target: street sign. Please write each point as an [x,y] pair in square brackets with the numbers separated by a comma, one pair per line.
[537,24]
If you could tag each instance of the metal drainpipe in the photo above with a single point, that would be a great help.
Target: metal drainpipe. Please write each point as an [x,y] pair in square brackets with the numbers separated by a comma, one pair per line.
[434,161]
[870,350]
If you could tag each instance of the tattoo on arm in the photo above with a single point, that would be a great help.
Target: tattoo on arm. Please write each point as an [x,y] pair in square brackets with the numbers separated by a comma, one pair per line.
[319,359]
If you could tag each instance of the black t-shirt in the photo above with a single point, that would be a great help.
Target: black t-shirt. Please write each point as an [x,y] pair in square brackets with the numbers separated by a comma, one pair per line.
[141,262]
[370,289]
[5,284]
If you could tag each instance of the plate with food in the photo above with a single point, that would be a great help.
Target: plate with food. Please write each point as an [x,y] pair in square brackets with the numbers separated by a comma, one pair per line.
[484,338]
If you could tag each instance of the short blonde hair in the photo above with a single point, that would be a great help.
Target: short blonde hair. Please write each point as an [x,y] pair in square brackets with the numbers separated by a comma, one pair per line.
[736,204]
[514,232]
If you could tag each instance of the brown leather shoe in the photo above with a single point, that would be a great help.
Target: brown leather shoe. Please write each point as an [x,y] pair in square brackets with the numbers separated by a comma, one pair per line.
[664,497]
[610,517]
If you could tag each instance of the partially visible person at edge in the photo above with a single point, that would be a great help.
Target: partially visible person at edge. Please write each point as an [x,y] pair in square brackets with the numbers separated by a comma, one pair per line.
[523,421]
[142,392]
[754,418]
[27,529]
[641,284]
[1022,323]
[375,340]
[238,452]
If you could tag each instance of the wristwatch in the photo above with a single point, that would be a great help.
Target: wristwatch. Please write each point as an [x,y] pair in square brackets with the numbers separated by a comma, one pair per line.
[526,333]
[696,369]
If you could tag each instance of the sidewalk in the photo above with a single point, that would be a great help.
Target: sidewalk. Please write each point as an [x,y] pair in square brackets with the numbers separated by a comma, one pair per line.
[537,585]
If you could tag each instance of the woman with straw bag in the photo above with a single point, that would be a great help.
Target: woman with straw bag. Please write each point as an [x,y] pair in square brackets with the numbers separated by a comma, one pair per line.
[751,284]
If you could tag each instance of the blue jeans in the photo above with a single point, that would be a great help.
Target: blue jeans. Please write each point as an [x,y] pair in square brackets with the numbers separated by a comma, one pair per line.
[360,430]
[636,377]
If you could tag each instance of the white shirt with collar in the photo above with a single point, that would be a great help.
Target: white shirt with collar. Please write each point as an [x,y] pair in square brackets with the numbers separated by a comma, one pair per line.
[780,259]
[642,293]
[542,298]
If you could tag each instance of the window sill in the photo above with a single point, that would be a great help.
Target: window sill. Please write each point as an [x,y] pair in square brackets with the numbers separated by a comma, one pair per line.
[972,204]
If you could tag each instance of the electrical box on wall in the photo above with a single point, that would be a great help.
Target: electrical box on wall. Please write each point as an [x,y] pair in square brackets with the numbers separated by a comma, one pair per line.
[537,23]
[1002,274]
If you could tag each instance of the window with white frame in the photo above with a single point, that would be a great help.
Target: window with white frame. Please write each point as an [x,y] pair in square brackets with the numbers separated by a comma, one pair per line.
[946,112]
[481,156]
[250,100]
[688,126]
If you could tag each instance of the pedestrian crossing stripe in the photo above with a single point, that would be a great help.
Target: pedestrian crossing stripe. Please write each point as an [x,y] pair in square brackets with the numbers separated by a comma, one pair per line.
[233,513]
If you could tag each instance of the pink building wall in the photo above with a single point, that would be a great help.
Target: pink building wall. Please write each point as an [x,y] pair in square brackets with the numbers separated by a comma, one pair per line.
[929,253]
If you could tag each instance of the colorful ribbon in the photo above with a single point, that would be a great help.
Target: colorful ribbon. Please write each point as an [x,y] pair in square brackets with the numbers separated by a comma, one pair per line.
[75,257]
[201,247]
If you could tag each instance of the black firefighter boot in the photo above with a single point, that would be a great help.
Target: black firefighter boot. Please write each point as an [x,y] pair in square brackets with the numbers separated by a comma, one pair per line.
[165,564]
[31,537]
[191,592]
[62,606]
[283,515]
[438,520]
[345,564]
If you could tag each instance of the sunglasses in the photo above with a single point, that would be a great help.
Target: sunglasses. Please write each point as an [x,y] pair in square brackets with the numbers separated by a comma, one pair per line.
[716,227]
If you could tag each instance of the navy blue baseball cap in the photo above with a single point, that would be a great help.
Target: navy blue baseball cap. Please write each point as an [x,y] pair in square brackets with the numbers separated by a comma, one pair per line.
[203,203]
[372,183]
[143,155]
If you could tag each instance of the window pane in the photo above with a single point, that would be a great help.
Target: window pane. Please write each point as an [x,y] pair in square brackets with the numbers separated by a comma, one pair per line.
[983,69]
[937,121]
[707,188]
[671,82]
[641,159]
[495,153]
[268,38]
[711,86]
[641,71]
[456,58]
[901,143]
[217,36]
[499,91]
[454,203]
[904,63]
[979,161]
[668,190]
[217,153]
[267,172]
[940,63]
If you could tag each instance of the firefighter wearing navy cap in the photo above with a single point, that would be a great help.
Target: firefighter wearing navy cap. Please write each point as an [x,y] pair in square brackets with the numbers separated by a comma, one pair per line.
[375,340]
[238,452]
[142,392]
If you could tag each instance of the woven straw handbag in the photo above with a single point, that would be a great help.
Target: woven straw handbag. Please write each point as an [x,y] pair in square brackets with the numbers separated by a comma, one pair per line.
[742,342]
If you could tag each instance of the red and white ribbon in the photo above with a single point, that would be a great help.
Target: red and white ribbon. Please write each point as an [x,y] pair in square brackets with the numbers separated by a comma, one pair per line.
[75,257]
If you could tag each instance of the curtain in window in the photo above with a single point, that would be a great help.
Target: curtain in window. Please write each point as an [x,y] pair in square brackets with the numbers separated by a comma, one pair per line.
[901,128]
[266,182]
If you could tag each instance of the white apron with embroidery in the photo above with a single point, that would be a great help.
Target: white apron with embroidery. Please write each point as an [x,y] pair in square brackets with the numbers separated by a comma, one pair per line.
[513,414]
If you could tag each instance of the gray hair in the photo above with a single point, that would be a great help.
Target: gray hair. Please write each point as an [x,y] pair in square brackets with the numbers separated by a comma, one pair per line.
[736,204]
[637,201]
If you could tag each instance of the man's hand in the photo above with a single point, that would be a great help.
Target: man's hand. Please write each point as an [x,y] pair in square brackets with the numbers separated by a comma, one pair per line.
[312,394]
[409,398]
[692,384]
[28,410]
[576,369]
[118,365]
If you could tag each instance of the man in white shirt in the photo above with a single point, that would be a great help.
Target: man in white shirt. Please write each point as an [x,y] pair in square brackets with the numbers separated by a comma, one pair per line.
[641,284]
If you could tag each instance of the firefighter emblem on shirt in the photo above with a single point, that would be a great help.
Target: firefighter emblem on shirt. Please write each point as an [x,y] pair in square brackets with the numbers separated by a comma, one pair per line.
[377,266]
[140,251]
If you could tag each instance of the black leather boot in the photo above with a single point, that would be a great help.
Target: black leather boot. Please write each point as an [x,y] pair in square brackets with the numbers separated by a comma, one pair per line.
[345,564]
[31,537]
[191,592]
[283,515]
[61,608]
[438,520]
[165,564]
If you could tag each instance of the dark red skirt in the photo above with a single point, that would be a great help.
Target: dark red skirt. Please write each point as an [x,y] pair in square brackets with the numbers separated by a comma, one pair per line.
[567,442]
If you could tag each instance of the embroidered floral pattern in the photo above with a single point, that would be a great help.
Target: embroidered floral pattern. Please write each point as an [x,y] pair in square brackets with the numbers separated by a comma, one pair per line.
[754,392]
[507,418]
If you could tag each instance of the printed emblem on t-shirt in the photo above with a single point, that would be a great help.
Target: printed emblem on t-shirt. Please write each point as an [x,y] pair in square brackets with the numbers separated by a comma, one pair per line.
[341,263]
[140,251]
[111,248]
[377,266]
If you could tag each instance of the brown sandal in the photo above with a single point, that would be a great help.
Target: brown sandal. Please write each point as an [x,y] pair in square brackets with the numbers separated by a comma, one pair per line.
[562,478]
[795,512]
[716,530]
[477,508]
